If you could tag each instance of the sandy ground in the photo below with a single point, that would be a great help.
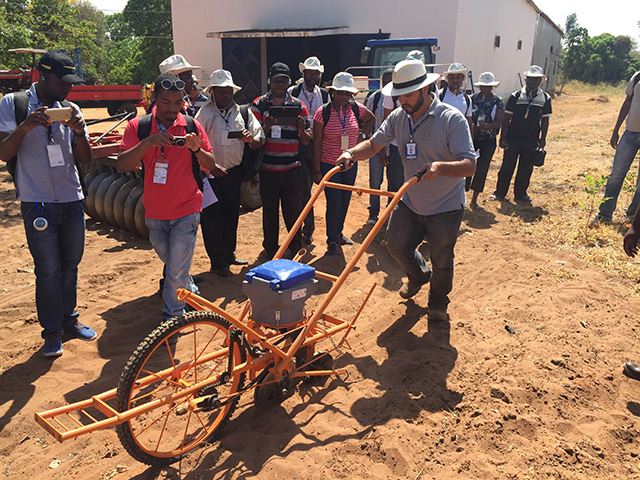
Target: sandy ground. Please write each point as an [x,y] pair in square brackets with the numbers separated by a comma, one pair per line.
[545,398]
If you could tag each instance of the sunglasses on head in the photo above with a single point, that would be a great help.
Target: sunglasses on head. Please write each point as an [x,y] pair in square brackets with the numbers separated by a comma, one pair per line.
[344,93]
[168,84]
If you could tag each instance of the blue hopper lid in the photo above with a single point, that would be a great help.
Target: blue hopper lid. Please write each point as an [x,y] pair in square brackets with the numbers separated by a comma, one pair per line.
[281,274]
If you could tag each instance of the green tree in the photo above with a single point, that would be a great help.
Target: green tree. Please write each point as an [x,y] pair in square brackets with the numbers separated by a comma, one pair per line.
[14,33]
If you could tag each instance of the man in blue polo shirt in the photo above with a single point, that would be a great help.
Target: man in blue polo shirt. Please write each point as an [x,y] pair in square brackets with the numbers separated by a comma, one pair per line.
[48,187]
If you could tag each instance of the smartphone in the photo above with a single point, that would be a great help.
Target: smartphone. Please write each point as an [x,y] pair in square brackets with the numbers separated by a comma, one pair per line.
[234,134]
[59,114]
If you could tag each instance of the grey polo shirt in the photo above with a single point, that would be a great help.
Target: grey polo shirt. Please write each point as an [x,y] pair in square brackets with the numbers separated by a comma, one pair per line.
[443,136]
[36,179]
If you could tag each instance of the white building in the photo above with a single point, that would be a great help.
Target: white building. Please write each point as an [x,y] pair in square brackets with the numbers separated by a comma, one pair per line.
[247,36]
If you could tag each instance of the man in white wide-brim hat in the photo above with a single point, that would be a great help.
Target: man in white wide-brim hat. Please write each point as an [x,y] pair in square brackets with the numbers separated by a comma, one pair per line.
[524,130]
[228,132]
[453,94]
[434,140]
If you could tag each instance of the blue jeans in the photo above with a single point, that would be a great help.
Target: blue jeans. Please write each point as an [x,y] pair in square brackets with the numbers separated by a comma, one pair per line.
[406,231]
[174,241]
[337,200]
[625,153]
[395,177]
[56,251]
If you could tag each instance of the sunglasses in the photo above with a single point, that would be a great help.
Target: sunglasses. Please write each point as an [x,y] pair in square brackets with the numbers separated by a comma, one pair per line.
[344,93]
[168,84]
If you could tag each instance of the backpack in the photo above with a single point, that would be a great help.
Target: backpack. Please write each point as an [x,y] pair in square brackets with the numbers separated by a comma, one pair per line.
[297,90]
[251,158]
[376,100]
[635,82]
[144,129]
[467,98]
[21,108]
[326,112]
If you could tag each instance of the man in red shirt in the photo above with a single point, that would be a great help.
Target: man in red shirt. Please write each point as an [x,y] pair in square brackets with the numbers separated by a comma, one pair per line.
[172,196]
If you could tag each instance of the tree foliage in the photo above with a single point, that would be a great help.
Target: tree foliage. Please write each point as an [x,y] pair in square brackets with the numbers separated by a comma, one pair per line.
[124,48]
[604,58]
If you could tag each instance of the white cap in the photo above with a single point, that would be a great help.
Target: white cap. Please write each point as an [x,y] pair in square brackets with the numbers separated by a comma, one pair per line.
[176,64]
[487,79]
[455,68]
[343,81]
[534,71]
[222,78]
[311,63]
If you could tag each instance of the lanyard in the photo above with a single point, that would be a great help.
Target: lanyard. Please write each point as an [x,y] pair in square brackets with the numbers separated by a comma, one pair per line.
[343,121]
[286,97]
[413,130]
[227,118]
[309,99]
[161,128]
[49,130]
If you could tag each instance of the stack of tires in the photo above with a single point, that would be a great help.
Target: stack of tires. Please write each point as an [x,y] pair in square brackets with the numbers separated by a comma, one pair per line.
[116,198]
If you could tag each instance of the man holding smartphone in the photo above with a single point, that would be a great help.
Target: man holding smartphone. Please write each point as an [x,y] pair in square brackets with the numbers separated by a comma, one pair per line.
[50,193]
[224,123]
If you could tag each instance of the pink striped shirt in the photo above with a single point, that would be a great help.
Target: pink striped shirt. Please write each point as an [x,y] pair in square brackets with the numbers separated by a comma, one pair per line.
[333,131]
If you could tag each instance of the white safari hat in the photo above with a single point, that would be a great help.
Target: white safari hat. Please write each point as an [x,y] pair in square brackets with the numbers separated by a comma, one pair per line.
[344,81]
[455,68]
[487,80]
[409,76]
[222,78]
[534,71]
[176,64]
[415,55]
[311,63]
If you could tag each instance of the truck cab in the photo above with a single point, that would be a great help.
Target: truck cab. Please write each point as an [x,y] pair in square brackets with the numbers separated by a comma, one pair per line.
[383,54]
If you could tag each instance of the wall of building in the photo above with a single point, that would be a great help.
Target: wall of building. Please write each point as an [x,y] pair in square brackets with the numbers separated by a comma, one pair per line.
[479,24]
[546,51]
[193,19]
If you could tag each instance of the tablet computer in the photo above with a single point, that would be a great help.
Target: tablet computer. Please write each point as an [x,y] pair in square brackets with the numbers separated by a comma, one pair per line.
[286,114]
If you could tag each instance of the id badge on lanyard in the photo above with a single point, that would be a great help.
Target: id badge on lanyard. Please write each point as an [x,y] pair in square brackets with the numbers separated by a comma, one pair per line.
[160,172]
[344,142]
[276,131]
[54,152]
[410,150]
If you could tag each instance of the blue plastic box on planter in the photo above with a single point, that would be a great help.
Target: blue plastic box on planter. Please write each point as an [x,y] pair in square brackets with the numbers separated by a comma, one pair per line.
[278,291]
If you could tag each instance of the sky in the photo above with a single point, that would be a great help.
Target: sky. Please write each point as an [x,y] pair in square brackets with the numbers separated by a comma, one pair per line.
[618,17]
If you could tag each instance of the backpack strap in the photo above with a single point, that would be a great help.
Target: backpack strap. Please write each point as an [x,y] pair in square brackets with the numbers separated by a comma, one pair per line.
[443,92]
[376,100]
[325,95]
[326,114]
[244,112]
[467,99]
[144,126]
[297,90]
[21,109]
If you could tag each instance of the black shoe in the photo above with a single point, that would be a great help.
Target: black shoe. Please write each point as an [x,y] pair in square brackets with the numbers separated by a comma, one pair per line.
[223,272]
[496,197]
[526,198]
[344,240]
[307,238]
[632,370]
[332,249]
[197,278]
[239,261]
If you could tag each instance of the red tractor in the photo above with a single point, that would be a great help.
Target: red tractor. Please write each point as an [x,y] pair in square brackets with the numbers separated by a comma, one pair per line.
[17,78]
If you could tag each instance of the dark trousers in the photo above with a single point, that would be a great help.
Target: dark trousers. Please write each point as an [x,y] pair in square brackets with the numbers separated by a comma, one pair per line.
[220,221]
[523,151]
[280,190]
[405,233]
[56,250]
[306,159]
[487,147]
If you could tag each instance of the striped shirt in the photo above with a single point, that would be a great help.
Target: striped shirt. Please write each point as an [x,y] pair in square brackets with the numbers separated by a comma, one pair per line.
[334,129]
[279,153]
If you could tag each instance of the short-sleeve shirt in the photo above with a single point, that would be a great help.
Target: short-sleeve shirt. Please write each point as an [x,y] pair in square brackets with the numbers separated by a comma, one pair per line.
[36,179]
[459,101]
[527,112]
[280,154]
[378,110]
[442,135]
[487,107]
[228,151]
[340,123]
[179,196]
[633,118]
[313,101]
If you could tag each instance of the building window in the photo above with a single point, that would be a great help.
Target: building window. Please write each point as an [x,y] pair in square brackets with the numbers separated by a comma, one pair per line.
[496,41]
[519,44]
[551,48]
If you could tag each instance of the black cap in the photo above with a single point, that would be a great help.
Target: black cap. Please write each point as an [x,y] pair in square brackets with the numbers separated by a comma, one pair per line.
[279,69]
[60,65]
